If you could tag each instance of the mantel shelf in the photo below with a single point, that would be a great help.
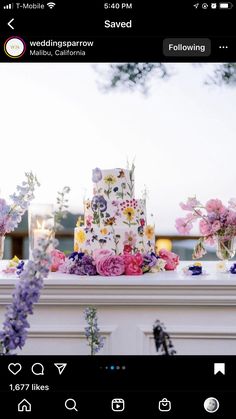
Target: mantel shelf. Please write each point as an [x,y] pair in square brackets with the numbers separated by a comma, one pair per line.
[163,288]
[199,312]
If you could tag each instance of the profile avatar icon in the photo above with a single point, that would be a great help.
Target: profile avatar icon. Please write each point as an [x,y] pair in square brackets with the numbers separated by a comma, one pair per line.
[211,405]
[14,47]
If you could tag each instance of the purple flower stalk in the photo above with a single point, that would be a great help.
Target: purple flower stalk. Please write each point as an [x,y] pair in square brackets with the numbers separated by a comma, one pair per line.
[20,267]
[11,215]
[26,294]
[92,331]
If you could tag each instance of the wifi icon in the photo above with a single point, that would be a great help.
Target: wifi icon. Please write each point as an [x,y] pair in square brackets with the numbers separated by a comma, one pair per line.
[51,5]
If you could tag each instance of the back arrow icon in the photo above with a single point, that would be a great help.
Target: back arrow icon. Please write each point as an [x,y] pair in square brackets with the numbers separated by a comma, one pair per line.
[9,23]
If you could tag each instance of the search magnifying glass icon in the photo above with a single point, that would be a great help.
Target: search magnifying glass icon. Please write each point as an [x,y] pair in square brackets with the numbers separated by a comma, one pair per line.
[70,404]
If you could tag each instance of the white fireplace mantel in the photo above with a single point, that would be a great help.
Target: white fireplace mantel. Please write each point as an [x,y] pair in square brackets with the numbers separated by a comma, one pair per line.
[199,312]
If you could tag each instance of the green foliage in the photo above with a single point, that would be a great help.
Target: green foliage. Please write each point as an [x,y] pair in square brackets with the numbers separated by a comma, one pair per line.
[137,76]
[134,75]
[62,207]
[224,74]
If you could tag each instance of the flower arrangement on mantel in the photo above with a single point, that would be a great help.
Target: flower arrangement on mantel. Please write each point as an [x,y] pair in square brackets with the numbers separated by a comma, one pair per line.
[217,225]
[106,263]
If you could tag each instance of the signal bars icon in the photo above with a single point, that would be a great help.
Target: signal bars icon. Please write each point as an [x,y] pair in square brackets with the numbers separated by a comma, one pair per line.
[8,6]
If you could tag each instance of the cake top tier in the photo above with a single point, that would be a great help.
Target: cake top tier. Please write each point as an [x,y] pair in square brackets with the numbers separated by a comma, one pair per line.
[113,183]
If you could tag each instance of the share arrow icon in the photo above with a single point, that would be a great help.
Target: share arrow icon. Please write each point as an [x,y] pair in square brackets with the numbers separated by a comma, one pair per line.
[60,367]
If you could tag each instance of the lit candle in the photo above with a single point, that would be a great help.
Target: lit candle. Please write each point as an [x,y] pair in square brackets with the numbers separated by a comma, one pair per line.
[40,233]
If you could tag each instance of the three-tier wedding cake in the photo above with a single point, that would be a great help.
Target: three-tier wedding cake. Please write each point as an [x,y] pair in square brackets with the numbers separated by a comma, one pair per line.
[114,219]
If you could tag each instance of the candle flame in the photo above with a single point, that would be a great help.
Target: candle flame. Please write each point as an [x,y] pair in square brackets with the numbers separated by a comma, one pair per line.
[41,225]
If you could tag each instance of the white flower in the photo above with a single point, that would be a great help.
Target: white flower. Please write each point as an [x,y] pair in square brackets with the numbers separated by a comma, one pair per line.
[159,267]
[221,267]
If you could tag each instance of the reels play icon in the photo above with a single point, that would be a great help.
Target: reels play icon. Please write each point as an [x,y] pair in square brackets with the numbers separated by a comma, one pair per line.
[118,405]
[14,47]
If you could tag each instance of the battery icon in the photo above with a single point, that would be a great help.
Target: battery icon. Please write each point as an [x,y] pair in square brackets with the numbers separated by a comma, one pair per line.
[225,5]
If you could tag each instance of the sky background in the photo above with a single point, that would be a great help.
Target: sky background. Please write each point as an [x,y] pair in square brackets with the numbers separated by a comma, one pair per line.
[57,122]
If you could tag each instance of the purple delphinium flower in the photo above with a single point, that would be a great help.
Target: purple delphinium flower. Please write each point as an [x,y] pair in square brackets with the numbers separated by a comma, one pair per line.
[97,175]
[4,217]
[26,294]
[11,215]
[20,267]
[92,331]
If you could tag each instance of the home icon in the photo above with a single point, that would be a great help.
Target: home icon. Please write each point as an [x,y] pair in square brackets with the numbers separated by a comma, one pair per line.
[24,406]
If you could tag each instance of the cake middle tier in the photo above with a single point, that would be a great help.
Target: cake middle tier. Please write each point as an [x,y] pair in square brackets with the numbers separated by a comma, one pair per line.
[101,212]
[117,239]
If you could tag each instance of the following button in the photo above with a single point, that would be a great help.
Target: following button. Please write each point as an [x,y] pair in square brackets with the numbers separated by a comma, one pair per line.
[187,47]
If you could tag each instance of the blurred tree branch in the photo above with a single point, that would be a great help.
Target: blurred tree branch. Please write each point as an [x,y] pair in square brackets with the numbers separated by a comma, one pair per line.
[133,76]
[223,74]
[137,76]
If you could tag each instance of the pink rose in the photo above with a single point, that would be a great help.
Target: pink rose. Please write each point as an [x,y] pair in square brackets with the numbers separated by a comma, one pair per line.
[99,253]
[110,265]
[214,205]
[205,228]
[172,260]
[133,264]
[57,259]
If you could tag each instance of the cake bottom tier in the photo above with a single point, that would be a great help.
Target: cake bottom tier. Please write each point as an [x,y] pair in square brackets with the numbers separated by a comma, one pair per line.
[114,238]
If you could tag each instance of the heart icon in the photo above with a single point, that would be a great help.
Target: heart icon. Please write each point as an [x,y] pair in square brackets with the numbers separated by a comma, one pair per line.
[14,368]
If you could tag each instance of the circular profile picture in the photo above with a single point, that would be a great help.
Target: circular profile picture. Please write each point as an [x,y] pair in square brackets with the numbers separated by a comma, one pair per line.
[14,47]
[211,405]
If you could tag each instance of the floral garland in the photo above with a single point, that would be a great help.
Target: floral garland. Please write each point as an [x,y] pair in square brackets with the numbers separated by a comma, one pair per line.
[106,263]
